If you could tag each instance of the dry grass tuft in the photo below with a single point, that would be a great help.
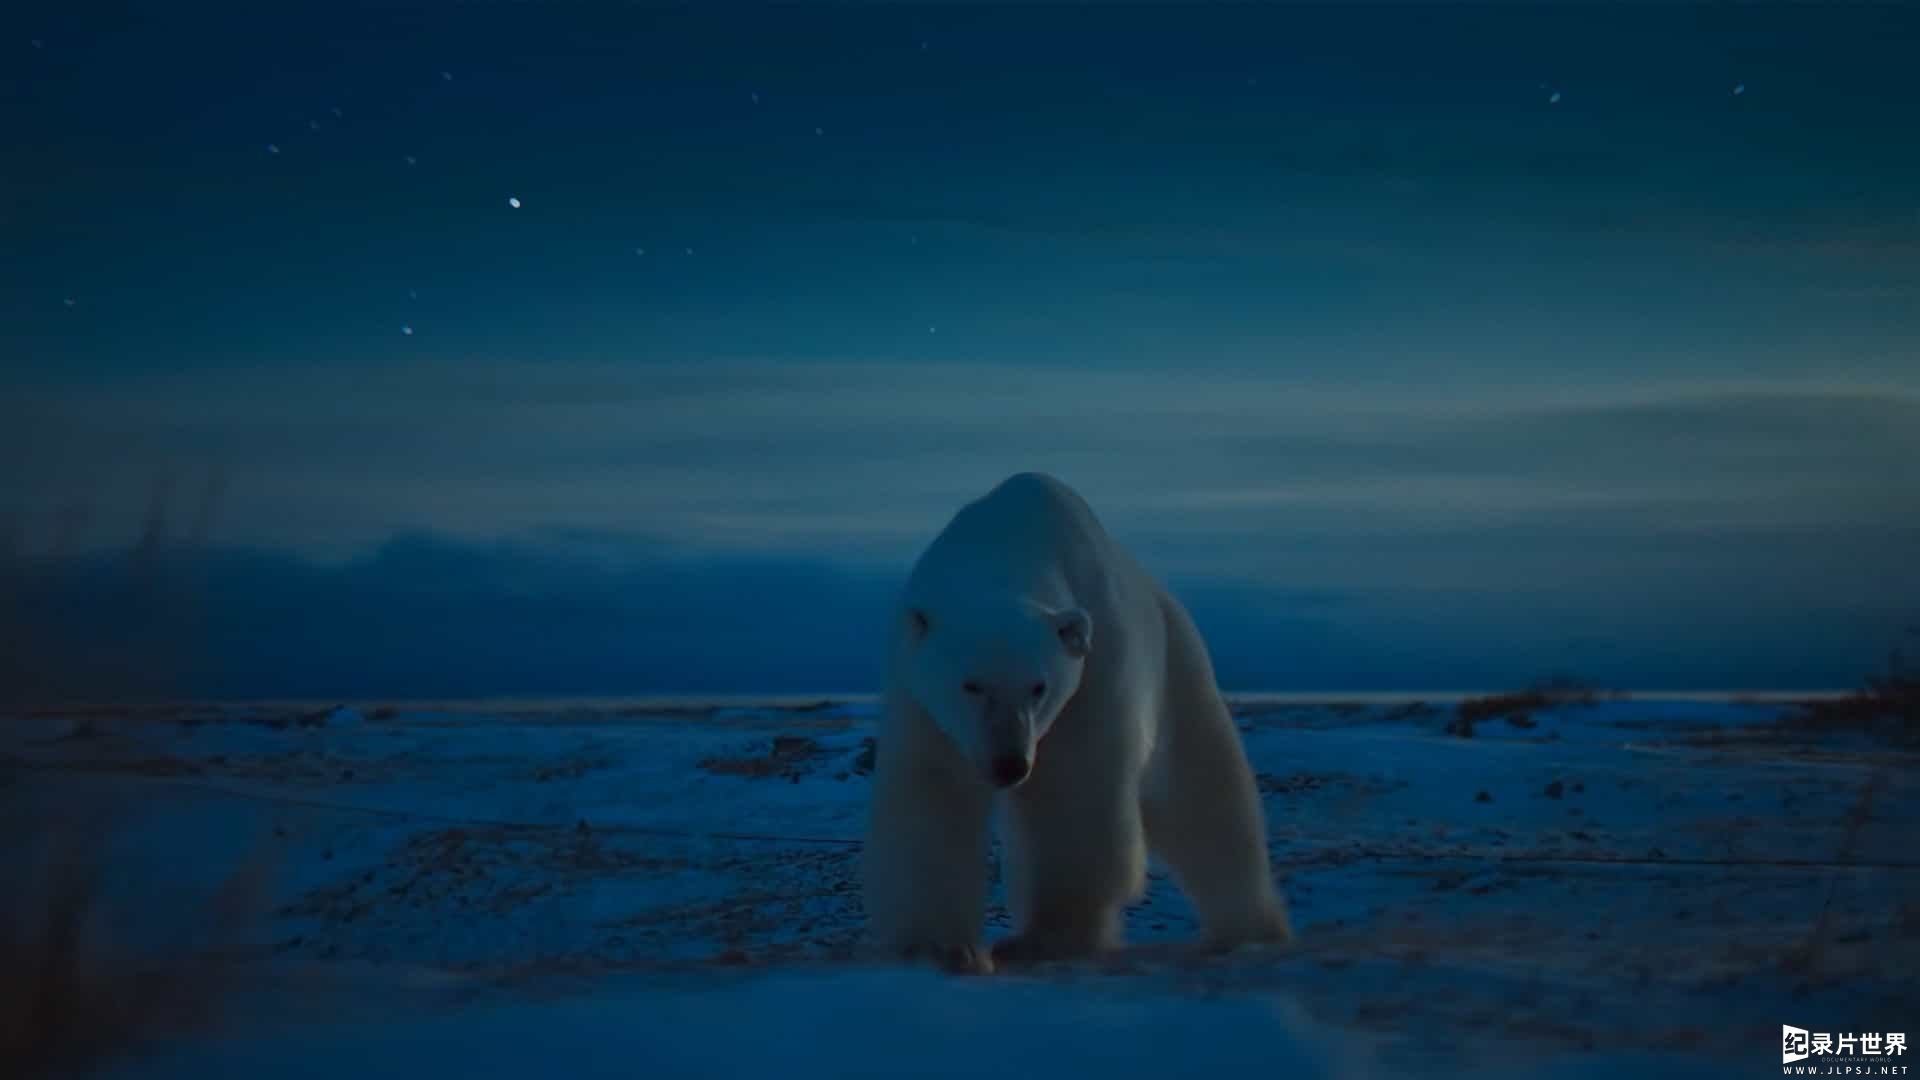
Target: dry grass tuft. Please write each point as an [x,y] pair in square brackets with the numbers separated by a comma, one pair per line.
[1887,707]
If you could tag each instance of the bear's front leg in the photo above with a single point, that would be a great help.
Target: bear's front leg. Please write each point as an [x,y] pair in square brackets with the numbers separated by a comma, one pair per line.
[1076,858]
[1204,819]
[925,864]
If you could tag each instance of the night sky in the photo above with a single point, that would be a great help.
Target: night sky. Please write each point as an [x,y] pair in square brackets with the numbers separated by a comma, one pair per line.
[1419,347]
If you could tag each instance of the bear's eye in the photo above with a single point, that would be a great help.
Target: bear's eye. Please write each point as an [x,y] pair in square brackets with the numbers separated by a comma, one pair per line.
[1039,690]
[971,687]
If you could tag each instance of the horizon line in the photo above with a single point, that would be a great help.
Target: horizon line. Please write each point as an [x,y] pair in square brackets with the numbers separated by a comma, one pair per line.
[771,700]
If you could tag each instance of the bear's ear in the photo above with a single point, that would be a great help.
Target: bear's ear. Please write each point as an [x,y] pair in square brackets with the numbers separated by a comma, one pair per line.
[1075,628]
[917,625]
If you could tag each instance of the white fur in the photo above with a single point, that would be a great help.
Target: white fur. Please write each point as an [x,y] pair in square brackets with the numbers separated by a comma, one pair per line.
[1131,747]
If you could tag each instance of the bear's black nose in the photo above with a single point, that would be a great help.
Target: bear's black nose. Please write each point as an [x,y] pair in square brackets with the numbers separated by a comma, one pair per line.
[1009,770]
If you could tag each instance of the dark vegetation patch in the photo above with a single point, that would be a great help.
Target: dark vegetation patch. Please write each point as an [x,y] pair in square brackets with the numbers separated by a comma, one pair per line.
[1255,715]
[787,757]
[154,765]
[572,770]
[1474,881]
[482,870]
[786,905]
[274,719]
[1886,709]
[1316,783]
[1517,708]
[669,712]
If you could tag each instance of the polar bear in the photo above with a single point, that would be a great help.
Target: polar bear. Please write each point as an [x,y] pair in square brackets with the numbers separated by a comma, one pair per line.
[1035,664]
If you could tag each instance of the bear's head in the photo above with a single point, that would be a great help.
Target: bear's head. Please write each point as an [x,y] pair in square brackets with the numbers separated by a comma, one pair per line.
[994,677]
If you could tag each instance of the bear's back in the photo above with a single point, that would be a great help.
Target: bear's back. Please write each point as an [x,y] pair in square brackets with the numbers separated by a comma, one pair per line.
[1041,500]
[1028,529]
[1029,514]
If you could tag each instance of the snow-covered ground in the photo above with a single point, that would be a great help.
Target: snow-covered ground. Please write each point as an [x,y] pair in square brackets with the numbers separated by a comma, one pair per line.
[661,890]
